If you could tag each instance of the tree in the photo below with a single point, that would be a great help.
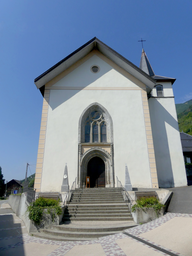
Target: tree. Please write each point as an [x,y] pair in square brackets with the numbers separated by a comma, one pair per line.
[31,183]
[2,183]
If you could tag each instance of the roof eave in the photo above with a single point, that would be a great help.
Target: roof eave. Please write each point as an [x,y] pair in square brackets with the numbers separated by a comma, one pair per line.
[164,79]
[82,52]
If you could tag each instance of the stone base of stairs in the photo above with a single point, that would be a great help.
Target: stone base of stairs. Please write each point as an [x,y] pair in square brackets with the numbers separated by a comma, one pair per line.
[92,213]
[83,230]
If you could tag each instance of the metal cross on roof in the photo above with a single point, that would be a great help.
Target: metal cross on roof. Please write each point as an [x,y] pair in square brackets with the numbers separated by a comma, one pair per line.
[142,41]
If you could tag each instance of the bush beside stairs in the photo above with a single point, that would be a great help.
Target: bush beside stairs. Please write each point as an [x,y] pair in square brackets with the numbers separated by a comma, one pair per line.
[92,213]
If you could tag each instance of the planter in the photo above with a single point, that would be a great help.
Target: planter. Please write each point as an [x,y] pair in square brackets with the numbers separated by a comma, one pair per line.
[47,222]
[19,205]
[144,215]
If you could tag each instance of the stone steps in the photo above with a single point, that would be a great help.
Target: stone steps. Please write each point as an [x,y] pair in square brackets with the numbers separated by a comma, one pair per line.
[78,232]
[97,199]
[95,228]
[96,218]
[91,202]
[92,213]
[97,205]
[96,211]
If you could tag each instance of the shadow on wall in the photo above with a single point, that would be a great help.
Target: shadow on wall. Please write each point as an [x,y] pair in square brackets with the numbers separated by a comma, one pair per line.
[10,229]
[74,82]
[159,117]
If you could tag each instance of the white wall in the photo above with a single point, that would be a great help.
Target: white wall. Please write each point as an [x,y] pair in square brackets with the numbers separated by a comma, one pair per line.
[167,90]
[123,101]
[166,138]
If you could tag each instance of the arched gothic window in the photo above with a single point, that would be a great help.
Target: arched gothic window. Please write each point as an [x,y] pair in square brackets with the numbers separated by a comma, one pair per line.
[95,125]
[159,89]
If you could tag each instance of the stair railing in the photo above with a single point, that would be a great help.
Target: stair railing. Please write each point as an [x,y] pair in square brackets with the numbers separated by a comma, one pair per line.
[68,195]
[74,184]
[67,198]
[126,195]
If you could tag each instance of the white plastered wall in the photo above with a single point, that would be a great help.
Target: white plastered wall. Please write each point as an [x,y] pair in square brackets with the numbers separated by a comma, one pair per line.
[121,96]
[166,138]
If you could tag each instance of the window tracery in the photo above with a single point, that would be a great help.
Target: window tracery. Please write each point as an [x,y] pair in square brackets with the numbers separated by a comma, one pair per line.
[95,127]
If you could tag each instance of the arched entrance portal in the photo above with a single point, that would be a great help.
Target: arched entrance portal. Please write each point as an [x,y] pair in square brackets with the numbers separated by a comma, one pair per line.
[99,159]
[96,171]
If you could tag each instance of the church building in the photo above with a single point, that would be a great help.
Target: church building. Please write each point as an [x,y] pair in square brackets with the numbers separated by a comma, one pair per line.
[102,115]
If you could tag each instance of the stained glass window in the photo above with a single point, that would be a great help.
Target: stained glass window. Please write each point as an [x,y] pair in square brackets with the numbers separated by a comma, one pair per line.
[95,132]
[103,132]
[87,132]
[95,127]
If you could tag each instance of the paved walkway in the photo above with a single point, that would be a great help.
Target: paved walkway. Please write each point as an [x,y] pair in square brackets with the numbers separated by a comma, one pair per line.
[168,235]
[181,200]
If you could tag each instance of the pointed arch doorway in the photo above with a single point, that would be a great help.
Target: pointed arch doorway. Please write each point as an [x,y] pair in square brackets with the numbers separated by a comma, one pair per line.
[96,171]
[95,149]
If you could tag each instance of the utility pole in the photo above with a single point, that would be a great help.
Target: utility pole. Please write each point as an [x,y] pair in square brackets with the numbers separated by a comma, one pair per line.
[25,186]
[26,172]
[6,189]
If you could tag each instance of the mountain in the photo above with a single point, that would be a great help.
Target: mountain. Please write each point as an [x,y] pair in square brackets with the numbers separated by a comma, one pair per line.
[183,106]
[184,115]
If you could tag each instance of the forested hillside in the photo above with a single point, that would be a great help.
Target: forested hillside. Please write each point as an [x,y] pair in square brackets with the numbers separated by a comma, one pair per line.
[30,180]
[184,114]
[183,106]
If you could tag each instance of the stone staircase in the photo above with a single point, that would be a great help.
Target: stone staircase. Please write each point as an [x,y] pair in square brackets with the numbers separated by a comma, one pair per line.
[97,204]
[92,213]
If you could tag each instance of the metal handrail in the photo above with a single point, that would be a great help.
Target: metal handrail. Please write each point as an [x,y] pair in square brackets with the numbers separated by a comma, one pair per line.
[119,185]
[67,198]
[69,194]
[73,186]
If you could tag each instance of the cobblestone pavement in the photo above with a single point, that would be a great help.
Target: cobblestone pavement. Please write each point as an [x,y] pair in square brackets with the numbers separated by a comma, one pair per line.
[14,240]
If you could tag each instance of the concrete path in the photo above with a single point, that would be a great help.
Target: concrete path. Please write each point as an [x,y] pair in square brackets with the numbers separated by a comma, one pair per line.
[168,235]
[181,200]
[5,207]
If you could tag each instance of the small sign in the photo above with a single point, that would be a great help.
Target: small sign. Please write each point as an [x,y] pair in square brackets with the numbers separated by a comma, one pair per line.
[87,182]
[15,192]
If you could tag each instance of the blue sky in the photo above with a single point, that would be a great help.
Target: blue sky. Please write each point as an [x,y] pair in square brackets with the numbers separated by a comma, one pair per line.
[34,35]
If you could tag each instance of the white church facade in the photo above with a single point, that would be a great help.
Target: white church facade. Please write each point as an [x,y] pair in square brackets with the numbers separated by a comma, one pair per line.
[100,114]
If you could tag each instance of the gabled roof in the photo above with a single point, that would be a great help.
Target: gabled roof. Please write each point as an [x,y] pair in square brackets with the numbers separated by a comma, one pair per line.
[81,52]
[186,141]
[15,181]
[147,68]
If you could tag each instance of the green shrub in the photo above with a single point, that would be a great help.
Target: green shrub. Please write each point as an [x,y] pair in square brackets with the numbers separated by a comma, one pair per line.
[148,202]
[37,207]
[44,202]
[35,214]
